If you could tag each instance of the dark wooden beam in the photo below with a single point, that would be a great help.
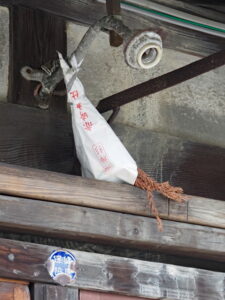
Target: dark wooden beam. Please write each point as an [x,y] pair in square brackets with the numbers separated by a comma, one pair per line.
[49,186]
[113,274]
[112,228]
[35,36]
[87,12]
[35,138]
[42,291]
[193,8]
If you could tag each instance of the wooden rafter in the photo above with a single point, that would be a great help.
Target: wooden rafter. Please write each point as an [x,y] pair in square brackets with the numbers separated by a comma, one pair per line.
[87,12]
[107,226]
[113,274]
[62,188]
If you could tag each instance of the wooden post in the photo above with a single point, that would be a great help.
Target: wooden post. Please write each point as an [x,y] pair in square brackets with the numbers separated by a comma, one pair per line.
[41,291]
[35,36]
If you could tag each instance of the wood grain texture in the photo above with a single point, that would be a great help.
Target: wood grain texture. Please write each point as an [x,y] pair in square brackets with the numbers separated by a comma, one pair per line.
[88,11]
[35,38]
[35,138]
[194,8]
[14,291]
[112,274]
[111,228]
[41,291]
[89,295]
[50,186]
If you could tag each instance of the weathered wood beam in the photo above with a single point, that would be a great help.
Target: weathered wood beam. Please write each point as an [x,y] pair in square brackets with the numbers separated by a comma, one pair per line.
[35,138]
[49,186]
[35,38]
[93,225]
[42,291]
[195,8]
[87,12]
[113,274]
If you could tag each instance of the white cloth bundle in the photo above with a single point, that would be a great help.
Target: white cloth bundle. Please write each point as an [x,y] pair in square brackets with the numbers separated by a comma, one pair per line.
[99,150]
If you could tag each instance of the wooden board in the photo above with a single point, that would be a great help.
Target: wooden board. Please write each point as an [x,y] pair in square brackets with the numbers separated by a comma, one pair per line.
[41,291]
[35,37]
[35,138]
[111,228]
[113,274]
[49,186]
[194,8]
[14,291]
[87,12]
[87,295]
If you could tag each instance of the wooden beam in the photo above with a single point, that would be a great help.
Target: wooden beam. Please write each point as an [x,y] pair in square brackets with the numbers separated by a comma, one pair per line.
[113,274]
[35,38]
[195,8]
[87,12]
[49,186]
[41,291]
[93,225]
[35,138]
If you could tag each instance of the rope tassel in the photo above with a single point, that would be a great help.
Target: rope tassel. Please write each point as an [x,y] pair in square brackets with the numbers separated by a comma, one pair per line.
[145,182]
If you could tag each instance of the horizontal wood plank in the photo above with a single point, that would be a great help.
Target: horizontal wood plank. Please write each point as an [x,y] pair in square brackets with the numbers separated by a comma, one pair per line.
[93,225]
[50,186]
[33,138]
[14,281]
[87,12]
[113,274]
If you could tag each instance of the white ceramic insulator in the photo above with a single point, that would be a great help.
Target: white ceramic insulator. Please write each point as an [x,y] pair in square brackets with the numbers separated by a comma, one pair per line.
[152,63]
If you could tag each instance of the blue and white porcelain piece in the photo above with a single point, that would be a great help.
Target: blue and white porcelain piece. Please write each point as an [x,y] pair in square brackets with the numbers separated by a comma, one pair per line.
[61,266]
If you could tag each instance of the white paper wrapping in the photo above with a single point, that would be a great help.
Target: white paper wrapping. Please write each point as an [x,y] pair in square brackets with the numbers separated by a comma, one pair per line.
[99,150]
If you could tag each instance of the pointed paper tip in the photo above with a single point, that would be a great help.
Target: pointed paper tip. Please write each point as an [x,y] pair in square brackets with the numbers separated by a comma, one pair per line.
[59,54]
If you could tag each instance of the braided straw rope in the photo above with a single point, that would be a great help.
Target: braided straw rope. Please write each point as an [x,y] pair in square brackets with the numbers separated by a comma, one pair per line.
[145,182]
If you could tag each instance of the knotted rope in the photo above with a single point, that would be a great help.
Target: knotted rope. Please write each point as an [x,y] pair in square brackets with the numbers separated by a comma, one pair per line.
[145,182]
